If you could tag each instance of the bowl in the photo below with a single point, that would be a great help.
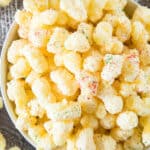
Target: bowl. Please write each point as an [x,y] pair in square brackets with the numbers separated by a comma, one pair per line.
[11,36]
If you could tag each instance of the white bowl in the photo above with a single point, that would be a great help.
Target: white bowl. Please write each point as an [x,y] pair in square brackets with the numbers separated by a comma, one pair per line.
[11,36]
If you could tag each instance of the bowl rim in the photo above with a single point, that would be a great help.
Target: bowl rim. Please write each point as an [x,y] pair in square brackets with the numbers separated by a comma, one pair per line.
[10,37]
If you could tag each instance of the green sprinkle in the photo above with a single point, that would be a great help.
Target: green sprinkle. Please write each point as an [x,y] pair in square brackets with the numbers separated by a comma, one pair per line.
[109,58]
[83,32]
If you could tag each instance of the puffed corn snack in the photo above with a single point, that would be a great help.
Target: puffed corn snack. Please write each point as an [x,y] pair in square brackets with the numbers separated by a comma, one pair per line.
[79,75]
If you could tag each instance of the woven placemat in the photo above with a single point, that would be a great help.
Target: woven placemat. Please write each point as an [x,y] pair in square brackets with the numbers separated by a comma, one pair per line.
[6,127]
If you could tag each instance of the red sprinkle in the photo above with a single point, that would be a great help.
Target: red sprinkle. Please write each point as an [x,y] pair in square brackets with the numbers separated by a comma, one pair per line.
[133,57]
[93,86]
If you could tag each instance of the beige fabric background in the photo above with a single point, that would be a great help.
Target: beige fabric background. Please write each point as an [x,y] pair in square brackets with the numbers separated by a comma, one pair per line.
[6,127]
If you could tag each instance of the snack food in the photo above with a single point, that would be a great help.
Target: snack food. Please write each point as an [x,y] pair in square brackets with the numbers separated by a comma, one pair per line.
[4,3]
[1,103]
[14,148]
[3,144]
[81,82]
